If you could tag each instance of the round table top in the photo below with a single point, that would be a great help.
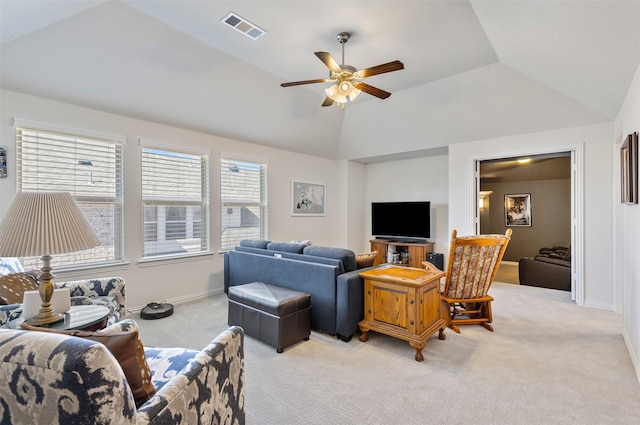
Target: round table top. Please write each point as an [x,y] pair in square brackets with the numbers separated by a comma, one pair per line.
[78,317]
[82,316]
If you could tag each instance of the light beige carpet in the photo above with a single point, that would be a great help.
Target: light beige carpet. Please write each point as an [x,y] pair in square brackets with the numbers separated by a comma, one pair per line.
[548,362]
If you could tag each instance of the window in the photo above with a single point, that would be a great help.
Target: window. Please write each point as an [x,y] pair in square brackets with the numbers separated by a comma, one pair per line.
[243,206]
[175,201]
[176,223]
[89,167]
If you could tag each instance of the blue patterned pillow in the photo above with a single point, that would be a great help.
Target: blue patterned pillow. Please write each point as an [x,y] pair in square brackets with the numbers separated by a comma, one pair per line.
[10,265]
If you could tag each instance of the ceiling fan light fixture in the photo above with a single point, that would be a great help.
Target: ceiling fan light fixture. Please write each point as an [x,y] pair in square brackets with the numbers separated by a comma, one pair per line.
[334,93]
[342,92]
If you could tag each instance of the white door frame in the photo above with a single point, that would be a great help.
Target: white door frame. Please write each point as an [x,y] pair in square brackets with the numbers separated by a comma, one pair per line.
[577,207]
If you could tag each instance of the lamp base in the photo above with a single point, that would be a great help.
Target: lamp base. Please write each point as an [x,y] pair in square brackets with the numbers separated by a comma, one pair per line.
[45,318]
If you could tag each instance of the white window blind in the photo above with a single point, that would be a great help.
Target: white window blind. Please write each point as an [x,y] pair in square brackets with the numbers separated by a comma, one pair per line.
[90,169]
[175,202]
[243,191]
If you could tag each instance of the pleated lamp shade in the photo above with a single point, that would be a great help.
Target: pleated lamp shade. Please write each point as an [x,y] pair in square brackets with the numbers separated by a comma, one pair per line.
[44,223]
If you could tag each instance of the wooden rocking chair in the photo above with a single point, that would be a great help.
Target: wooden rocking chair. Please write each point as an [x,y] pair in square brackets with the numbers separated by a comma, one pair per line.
[473,264]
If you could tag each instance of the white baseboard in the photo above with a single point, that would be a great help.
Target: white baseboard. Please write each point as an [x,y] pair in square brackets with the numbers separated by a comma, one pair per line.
[634,356]
[179,300]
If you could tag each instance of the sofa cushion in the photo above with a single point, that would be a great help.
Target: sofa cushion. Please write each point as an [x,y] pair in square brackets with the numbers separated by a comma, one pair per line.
[347,256]
[296,248]
[123,341]
[559,262]
[14,285]
[10,265]
[365,259]
[254,243]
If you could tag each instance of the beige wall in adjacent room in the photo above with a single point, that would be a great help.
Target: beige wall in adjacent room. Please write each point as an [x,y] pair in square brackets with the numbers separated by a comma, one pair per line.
[550,215]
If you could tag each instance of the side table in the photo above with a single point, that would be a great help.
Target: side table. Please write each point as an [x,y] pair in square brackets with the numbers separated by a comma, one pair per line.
[81,317]
[403,302]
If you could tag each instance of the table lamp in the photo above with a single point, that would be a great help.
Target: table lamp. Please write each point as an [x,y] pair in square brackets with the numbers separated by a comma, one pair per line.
[44,224]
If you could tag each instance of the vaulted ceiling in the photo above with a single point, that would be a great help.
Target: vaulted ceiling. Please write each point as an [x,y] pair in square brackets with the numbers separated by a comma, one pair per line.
[473,69]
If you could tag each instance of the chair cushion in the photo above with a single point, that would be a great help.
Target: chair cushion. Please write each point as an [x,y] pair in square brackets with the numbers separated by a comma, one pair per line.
[14,285]
[123,341]
[167,363]
[365,259]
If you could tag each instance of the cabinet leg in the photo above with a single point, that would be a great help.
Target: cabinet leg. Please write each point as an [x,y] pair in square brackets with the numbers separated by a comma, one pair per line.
[418,347]
[364,337]
[441,334]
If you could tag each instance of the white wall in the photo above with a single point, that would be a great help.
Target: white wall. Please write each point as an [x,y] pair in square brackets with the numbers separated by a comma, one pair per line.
[627,229]
[599,287]
[182,279]
[418,179]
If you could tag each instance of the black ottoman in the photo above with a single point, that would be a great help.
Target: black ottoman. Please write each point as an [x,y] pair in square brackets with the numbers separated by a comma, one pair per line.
[274,315]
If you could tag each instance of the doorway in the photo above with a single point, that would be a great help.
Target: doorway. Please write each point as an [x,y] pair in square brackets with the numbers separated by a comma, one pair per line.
[546,188]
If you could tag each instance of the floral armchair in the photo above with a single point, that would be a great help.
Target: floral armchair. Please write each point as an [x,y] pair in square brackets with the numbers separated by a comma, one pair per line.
[106,291]
[14,280]
[60,379]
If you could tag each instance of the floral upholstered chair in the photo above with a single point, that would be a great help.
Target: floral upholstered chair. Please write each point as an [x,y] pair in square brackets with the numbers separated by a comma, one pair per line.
[58,379]
[473,264]
[14,281]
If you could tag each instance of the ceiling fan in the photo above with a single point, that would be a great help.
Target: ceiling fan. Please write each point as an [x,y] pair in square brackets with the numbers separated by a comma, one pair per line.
[347,78]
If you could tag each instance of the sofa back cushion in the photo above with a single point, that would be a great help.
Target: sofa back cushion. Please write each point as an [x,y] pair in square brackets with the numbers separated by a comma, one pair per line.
[347,256]
[254,243]
[293,256]
[252,250]
[296,248]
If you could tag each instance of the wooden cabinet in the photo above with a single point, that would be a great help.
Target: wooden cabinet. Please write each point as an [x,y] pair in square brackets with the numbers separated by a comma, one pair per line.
[417,252]
[403,302]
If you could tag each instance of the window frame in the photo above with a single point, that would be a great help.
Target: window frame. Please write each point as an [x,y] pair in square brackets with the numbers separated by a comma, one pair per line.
[227,204]
[78,140]
[162,205]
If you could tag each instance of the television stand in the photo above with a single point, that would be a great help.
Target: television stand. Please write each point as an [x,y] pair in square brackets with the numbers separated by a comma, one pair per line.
[417,251]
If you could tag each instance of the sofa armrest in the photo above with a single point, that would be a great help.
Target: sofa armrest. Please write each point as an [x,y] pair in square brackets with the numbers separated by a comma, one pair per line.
[101,287]
[9,313]
[218,368]
[350,302]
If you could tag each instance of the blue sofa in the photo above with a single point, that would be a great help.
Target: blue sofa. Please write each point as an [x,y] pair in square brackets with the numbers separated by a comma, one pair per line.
[329,275]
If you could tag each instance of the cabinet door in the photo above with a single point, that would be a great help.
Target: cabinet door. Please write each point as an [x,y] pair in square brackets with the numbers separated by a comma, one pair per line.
[416,256]
[390,304]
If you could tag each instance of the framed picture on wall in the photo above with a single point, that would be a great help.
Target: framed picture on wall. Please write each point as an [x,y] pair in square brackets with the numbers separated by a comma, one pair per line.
[307,199]
[3,161]
[517,210]
[629,169]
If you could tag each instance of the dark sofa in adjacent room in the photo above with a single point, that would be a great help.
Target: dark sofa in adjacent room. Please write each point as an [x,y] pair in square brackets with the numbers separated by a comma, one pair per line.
[551,268]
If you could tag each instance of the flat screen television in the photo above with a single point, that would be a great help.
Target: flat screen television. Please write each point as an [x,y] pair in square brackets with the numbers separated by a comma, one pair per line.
[401,220]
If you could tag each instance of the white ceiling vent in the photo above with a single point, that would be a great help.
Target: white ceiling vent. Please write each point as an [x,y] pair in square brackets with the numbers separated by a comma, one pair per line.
[242,25]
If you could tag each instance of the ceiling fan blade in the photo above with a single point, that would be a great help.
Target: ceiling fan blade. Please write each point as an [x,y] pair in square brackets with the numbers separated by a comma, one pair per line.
[374,91]
[299,83]
[381,69]
[328,60]
[327,101]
